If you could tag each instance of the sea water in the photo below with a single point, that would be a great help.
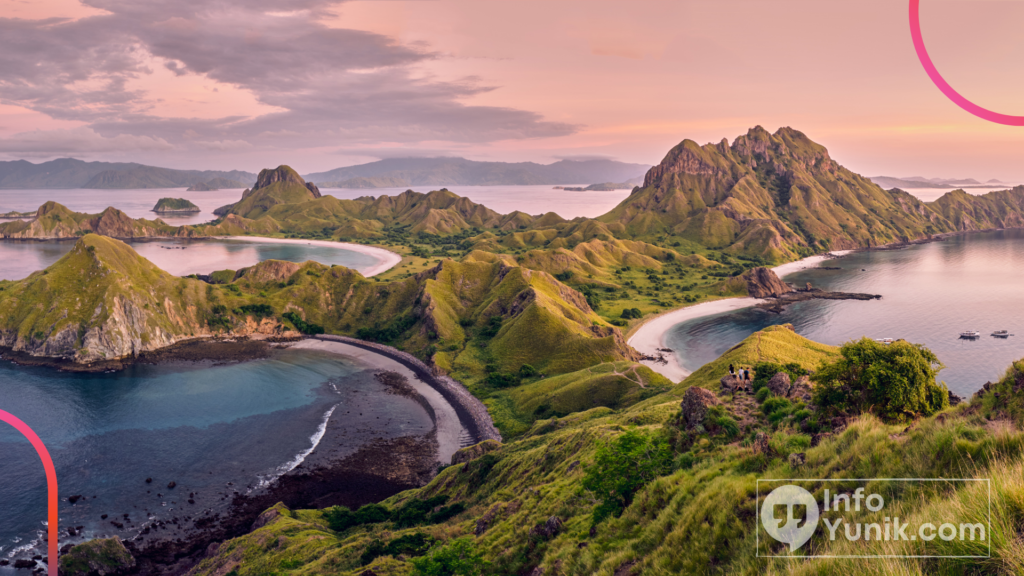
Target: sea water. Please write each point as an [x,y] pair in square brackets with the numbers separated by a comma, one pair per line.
[930,294]
[180,257]
[199,425]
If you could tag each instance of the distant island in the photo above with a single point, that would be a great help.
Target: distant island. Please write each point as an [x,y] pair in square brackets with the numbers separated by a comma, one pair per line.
[603,187]
[920,182]
[174,205]
[390,173]
[405,172]
[216,184]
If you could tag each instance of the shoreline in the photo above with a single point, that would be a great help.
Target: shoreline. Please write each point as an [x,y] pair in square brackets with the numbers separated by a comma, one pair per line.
[317,477]
[386,258]
[448,426]
[470,410]
[649,337]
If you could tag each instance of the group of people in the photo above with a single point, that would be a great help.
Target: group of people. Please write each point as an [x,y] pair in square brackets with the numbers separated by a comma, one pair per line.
[743,374]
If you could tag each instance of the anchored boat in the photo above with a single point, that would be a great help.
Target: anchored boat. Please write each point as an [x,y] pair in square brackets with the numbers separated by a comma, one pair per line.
[1001,334]
[970,335]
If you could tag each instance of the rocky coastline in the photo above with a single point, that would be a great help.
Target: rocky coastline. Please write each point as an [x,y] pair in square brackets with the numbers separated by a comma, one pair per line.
[218,350]
[471,411]
[777,304]
[331,475]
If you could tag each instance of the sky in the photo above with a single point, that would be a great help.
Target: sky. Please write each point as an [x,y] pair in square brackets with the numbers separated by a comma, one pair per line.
[318,84]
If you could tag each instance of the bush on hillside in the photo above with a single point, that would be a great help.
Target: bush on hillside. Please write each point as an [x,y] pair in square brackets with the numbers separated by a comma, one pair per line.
[631,313]
[764,371]
[458,557]
[622,467]
[301,325]
[410,545]
[895,381]
[257,310]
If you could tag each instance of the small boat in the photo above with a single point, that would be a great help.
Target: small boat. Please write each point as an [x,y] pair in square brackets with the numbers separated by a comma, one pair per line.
[1001,334]
[884,340]
[970,335]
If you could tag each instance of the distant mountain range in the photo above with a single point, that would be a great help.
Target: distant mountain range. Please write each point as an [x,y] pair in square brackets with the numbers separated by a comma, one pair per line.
[920,182]
[391,173]
[398,172]
[71,173]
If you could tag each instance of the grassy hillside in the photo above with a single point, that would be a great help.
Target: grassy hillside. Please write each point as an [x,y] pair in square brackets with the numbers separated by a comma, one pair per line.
[102,301]
[697,517]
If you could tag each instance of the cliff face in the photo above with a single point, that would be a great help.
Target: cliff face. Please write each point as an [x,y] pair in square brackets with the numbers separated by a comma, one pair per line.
[764,283]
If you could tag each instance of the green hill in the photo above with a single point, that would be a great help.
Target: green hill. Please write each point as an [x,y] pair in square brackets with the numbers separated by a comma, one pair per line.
[101,302]
[527,508]
[53,220]
[174,205]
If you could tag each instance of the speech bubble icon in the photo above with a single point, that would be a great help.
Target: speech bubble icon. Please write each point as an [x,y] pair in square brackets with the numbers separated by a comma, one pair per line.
[781,519]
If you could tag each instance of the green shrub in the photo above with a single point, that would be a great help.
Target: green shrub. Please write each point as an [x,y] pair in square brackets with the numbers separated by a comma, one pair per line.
[409,545]
[763,394]
[719,421]
[764,371]
[492,327]
[458,557]
[500,380]
[389,333]
[301,325]
[623,466]
[895,381]
[774,405]
[257,310]
[631,313]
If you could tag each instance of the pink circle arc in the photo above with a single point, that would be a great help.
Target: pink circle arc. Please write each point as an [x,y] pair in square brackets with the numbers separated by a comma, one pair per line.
[51,486]
[933,73]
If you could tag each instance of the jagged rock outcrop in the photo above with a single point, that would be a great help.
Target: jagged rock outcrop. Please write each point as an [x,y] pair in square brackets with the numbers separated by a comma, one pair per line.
[696,403]
[101,557]
[764,283]
[282,173]
[774,195]
[779,385]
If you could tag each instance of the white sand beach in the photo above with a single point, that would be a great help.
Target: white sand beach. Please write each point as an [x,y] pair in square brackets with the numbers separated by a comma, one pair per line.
[386,259]
[447,421]
[650,337]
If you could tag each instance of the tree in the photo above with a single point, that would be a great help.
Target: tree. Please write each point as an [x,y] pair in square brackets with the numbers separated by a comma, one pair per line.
[456,558]
[622,467]
[895,381]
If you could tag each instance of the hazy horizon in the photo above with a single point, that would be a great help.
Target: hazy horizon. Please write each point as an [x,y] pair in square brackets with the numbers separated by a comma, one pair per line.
[243,85]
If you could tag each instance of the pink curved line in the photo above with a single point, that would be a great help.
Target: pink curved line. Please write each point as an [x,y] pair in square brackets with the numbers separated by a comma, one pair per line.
[51,487]
[933,73]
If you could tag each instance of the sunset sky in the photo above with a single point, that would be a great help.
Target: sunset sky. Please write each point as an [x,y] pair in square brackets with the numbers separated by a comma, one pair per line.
[319,84]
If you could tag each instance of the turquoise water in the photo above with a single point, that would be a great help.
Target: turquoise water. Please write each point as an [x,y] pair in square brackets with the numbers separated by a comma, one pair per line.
[197,424]
[930,293]
[181,256]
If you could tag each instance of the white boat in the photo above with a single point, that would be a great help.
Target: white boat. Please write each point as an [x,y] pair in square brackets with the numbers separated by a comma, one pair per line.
[884,340]
[970,334]
[1001,333]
